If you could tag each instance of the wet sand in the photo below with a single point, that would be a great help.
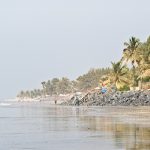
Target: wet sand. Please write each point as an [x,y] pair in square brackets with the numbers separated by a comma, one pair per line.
[39,126]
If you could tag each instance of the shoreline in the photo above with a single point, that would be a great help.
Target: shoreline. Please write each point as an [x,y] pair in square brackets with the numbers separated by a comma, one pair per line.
[95,98]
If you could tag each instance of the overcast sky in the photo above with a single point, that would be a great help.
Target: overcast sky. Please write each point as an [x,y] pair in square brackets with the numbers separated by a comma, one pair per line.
[42,39]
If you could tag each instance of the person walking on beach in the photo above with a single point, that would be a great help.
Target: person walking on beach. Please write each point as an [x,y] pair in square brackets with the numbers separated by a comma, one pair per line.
[55,101]
[77,101]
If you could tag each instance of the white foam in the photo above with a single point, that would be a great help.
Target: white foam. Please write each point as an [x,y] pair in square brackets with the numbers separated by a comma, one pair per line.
[5,104]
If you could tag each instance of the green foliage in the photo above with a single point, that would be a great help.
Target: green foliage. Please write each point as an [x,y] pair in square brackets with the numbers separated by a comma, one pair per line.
[139,55]
[91,79]
[146,79]
[119,74]
[135,53]
[130,53]
[144,52]
[125,88]
[64,85]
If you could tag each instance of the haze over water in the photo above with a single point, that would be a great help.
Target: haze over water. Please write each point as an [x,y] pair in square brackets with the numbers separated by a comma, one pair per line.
[39,126]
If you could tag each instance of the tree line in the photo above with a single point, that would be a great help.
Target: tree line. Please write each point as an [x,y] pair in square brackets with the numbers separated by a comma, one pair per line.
[57,86]
[135,54]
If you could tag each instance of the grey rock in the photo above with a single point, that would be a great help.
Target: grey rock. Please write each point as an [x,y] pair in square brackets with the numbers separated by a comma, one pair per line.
[130,98]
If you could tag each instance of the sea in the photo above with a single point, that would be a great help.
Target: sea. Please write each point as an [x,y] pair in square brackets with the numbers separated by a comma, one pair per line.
[42,126]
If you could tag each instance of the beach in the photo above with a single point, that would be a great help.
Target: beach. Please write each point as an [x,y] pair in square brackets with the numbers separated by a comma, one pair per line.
[41,126]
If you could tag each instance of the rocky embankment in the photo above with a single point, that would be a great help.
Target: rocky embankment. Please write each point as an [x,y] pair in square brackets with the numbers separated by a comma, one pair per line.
[130,98]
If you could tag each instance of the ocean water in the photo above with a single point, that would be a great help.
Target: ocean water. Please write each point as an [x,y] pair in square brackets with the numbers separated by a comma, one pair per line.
[40,126]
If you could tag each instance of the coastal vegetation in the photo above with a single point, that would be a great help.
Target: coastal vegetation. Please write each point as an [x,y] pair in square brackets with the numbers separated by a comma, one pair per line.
[63,85]
[119,75]
[130,72]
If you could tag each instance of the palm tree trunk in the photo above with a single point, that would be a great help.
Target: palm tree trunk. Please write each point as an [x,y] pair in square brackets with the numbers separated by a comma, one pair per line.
[133,76]
[140,84]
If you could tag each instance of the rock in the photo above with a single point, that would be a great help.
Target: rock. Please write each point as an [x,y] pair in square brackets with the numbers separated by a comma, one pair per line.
[130,98]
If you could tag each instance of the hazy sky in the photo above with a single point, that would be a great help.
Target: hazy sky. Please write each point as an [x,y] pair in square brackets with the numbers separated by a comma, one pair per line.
[42,39]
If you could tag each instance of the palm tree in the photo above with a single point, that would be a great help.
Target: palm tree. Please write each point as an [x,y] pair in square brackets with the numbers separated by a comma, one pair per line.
[119,74]
[44,87]
[144,64]
[22,94]
[131,53]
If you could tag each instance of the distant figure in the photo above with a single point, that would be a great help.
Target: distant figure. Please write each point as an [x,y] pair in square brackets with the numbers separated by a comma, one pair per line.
[103,89]
[77,101]
[55,102]
[77,98]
